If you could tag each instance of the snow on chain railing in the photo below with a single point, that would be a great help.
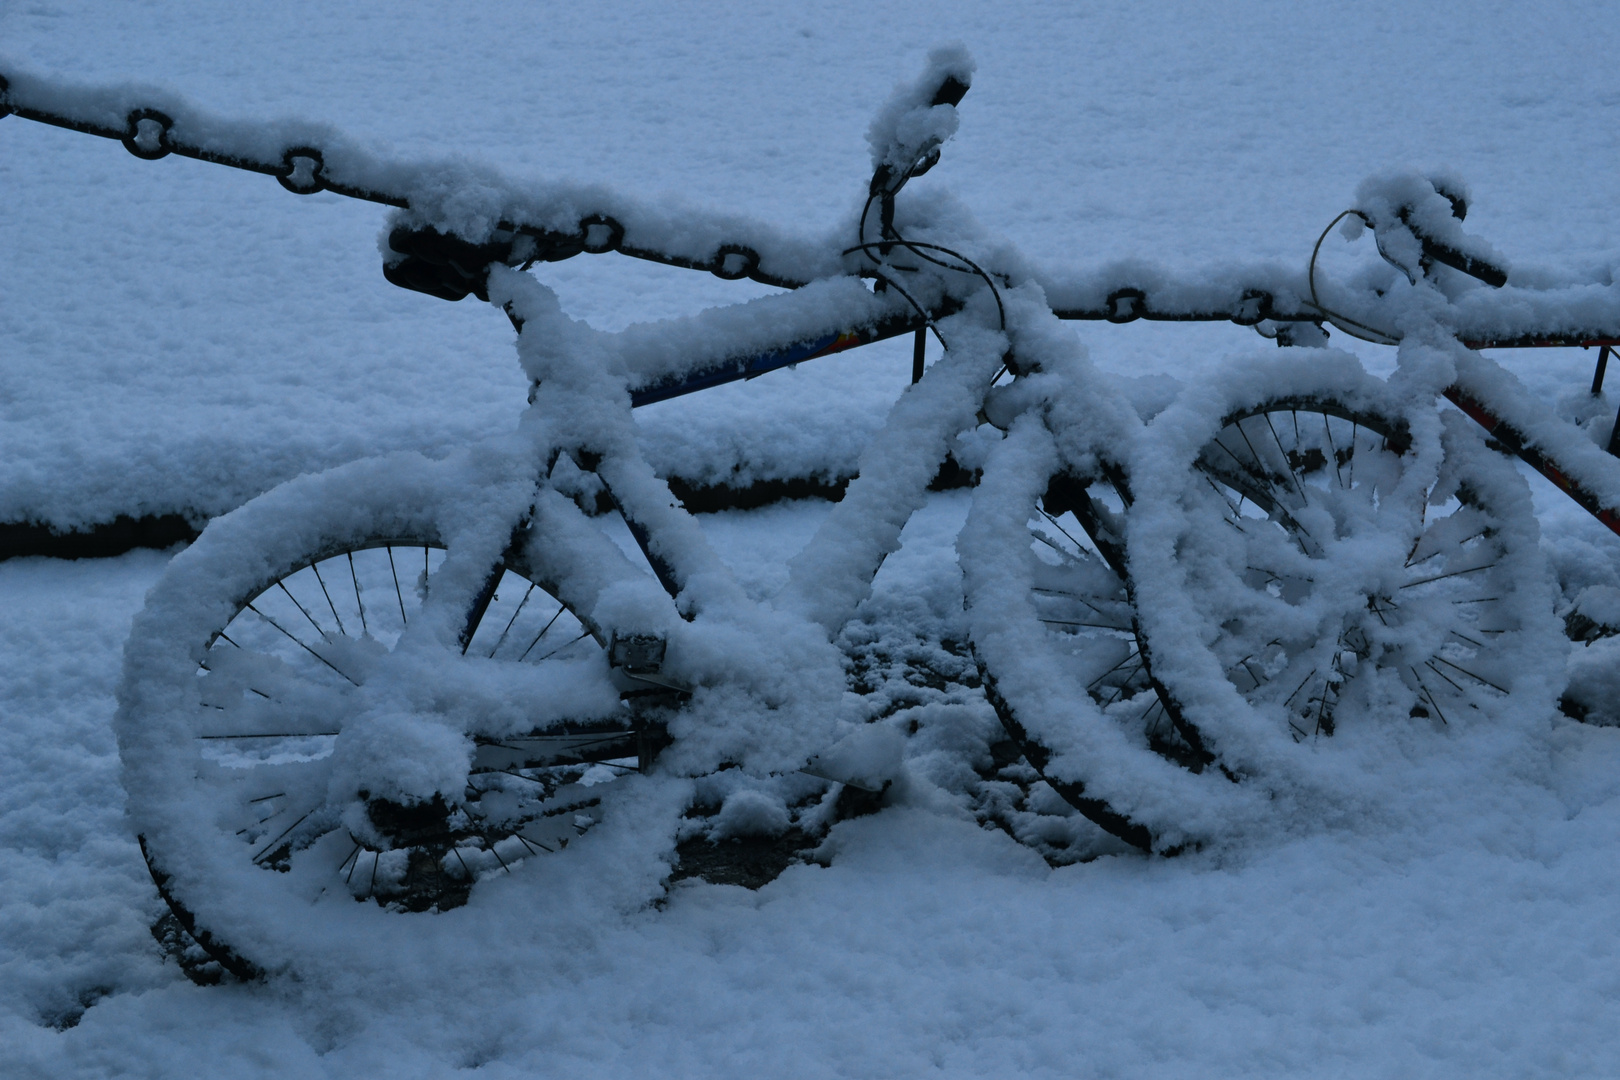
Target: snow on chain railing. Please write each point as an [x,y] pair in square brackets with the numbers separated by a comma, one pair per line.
[558,221]
[465,207]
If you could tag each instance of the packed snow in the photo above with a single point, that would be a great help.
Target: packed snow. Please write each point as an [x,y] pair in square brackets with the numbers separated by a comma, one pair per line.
[178,336]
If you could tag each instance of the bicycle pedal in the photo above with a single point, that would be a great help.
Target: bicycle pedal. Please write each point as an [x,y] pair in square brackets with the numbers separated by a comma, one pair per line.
[637,661]
[637,654]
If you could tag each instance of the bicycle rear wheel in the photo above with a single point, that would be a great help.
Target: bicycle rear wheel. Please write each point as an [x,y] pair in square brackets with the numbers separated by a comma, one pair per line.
[1053,627]
[296,730]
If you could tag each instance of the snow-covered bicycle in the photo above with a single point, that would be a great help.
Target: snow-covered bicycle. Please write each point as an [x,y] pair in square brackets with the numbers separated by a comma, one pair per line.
[395,681]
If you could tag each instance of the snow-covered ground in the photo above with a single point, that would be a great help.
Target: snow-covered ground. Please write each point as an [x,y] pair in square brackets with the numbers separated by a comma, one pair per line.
[175,335]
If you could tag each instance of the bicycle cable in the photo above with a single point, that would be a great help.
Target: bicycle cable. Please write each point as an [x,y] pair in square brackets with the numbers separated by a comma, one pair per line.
[1334,317]
[916,248]
[928,320]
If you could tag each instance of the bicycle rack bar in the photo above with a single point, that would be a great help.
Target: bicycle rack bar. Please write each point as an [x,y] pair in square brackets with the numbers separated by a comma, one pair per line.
[1582,339]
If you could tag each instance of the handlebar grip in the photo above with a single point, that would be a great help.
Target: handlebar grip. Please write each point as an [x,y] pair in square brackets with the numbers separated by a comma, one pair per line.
[909,129]
[950,92]
[1441,252]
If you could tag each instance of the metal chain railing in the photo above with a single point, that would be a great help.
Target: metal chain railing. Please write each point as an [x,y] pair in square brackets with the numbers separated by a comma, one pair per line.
[528,229]
[305,169]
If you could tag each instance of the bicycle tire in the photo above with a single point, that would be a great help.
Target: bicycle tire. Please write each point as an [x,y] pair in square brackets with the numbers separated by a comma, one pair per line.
[1200,606]
[1339,558]
[1053,631]
[246,648]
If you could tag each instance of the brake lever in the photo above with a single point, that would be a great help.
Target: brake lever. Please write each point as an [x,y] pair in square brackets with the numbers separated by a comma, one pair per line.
[952,70]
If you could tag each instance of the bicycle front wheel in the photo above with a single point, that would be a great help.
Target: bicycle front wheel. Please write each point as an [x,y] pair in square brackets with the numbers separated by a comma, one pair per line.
[1303,555]
[1337,560]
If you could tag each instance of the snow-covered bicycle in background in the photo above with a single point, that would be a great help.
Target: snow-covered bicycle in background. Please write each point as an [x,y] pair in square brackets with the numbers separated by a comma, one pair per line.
[397,680]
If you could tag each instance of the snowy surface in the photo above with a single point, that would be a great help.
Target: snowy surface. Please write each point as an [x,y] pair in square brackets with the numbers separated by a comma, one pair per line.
[174,334]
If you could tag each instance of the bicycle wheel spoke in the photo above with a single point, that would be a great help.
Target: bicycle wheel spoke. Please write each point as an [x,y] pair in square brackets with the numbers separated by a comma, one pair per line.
[1119,691]
[1254,679]
[282,585]
[398,595]
[1298,486]
[1353,432]
[1333,452]
[277,735]
[1289,700]
[272,845]
[291,637]
[351,862]
[1089,625]
[1092,685]
[508,629]
[583,634]
[1077,544]
[364,629]
[1121,608]
[541,634]
[335,616]
[1235,518]
[1251,471]
[1410,563]
[1449,680]
[1049,542]
[1449,574]
[1458,667]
